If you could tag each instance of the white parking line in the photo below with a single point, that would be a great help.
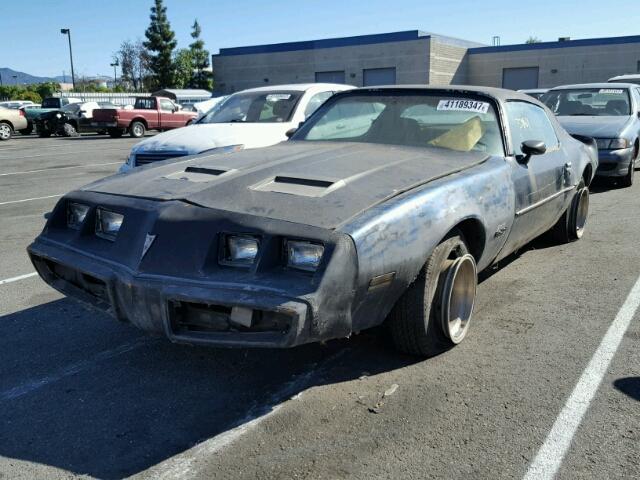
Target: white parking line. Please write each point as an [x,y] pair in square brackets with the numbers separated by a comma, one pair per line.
[74,152]
[549,458]
[72,369]
[55,169]
[18,278]
[30,199]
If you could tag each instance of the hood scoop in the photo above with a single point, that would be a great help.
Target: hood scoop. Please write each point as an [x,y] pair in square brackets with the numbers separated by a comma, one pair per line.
[198,174]
[306,187]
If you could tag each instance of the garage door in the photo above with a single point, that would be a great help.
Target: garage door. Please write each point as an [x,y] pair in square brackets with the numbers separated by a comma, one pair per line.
[379,76]
[518,78]
[336,76]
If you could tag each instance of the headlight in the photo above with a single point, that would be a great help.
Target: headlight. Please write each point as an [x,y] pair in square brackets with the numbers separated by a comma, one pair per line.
[108,224]
[58,115]
[76,213]
[240,249]
[618,143]
[612,143]
[304,255]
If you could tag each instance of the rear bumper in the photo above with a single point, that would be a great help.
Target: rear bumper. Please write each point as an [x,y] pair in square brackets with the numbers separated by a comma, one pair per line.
[203,312]
[614,163]
[104,124]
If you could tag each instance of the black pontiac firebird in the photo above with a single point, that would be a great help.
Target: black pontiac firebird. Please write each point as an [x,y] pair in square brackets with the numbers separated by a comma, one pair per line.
[384,205]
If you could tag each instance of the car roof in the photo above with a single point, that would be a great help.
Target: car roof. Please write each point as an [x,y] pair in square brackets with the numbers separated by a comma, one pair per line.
[500,94]
[302,87]
[594,85]
[534,90]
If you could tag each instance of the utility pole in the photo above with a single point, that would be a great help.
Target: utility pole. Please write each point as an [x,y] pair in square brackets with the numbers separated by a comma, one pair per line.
[67,32]
[115,78]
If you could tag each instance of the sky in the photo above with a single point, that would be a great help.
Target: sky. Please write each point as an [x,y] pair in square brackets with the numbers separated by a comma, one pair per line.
[98,28]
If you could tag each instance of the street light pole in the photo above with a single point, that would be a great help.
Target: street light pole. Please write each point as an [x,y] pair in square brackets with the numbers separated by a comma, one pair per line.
[67,32]
[115,78]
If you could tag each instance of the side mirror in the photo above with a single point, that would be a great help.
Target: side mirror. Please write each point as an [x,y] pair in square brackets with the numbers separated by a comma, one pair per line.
[290,132]
[530,148]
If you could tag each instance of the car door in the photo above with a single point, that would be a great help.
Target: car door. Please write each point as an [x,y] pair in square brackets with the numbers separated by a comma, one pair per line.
[542,182]
[167,118]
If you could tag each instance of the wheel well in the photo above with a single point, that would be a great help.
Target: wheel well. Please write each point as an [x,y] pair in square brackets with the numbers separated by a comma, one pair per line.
[141,120]
[587,174]
[474,236]
[637,144]
[8,123]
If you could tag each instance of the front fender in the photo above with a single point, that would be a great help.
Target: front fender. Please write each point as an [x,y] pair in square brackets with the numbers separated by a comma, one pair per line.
[399,235]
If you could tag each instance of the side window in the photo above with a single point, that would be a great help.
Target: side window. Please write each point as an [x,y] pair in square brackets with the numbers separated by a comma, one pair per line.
[529,122]
[315,102]
[166,106]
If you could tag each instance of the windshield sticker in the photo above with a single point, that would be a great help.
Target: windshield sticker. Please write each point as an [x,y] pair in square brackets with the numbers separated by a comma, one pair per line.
[611,91]
[274,97]
[464,106]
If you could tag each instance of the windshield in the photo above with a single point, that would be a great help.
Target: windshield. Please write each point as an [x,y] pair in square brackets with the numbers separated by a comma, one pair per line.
[254,107]
[71,108]
[611,102]
[459,123]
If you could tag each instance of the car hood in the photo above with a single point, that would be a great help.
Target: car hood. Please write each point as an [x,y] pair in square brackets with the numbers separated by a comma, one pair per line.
[315,183]
[201,137]
[595,126]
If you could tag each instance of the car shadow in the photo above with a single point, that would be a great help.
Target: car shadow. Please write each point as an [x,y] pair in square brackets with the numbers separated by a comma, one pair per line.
[81,392]
[630,386]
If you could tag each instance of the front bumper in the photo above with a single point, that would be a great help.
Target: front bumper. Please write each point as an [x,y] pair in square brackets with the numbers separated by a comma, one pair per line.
[209,307]
[614,163]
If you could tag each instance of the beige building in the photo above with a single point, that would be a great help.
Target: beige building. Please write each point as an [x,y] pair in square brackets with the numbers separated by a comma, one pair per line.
[415,57]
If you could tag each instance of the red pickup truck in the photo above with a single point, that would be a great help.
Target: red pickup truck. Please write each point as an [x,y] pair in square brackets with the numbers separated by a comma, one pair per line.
[148,113]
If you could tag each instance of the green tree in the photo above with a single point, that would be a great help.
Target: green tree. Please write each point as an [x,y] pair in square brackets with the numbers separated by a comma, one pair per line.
[533,39]
[160,43]
[200,60]
[183,68]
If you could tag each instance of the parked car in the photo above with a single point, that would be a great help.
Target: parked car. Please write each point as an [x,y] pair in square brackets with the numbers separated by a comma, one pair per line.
[70,120]
[31,112]
[15,104]
[10,121]
[632,78]
[253,118]
[148,113]
[536,93]
[610,114]
[384,205]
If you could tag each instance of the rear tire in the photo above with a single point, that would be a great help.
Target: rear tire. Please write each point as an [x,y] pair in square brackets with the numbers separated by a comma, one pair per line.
[137,129]
[434,313]
[5,131]
[573,221]
[115,132]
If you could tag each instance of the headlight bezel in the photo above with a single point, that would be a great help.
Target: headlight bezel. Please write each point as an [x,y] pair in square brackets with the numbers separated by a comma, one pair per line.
[70,205]
[612,143]
[304,243]
[225,256]
[99,230]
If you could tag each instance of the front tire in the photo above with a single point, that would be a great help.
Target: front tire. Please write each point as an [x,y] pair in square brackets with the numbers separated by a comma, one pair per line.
[27,131]
[137,129]
[68,130]
[44,133]
[434,313]
[5,131]
[627,180]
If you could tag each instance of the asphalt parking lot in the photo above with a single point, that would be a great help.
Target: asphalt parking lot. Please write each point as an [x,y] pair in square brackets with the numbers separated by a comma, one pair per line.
[83,395]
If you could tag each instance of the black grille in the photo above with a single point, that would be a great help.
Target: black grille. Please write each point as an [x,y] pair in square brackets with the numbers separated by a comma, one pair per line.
[145,158]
